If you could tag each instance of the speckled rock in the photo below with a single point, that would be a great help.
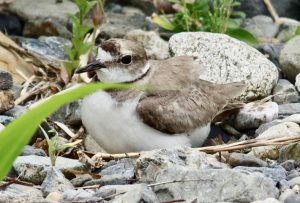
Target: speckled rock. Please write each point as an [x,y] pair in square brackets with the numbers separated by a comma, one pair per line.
[156,47]
[277,173]
[55,182]
[290,59]
[253,114]
[285,92]
[240,159]
[268,200]
[281,130]
[228,60]
[213,185]
[78,196]
[261,26]
[291,151]
[151,162]
[288,109]
[118,24]
[34,168]
[297,83]
[128,193]
[45,17]
[20,193]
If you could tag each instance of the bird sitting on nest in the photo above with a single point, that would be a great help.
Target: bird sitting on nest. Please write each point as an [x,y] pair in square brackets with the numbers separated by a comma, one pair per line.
[177,112]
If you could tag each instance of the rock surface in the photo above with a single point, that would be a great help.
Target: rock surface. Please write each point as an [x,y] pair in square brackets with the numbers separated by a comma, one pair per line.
[20,193]
[291,151]
[297,82]
[203,185]
[285,129]
[288,109]
[50,49]
[44,18]
[253,114]
[261,26]
[290,59]
[34,168]
[156,48]
[55,182]
[228,60]
[285,92]
[128,193]
[118,24]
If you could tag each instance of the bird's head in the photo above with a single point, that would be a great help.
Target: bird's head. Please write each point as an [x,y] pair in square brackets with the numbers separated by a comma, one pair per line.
[118,61]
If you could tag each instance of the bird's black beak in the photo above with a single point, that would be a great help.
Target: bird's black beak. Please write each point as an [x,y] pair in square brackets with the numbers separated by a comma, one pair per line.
[96,65]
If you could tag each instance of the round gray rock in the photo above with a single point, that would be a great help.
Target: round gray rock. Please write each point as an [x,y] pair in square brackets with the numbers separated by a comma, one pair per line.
[290,59]
[228,60]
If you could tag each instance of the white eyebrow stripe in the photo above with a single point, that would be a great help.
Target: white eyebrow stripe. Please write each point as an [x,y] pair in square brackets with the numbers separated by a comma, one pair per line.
[104,55]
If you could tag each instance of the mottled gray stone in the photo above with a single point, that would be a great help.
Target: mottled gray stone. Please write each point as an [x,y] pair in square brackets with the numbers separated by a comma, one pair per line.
[16,193]
[4,120]
[289,109]
[297,83]
[45,17]
[290,152]
[50,49]
[30,150]
[155,47]
[261,26]
[34,168]
[268,200]
[277,173]
[55,182]
[79,196]
[228,60]
[6,80]
[285,129]
[265,126]
[252,115]
[16,111]
[239,159]
[290,59]
[132,193]
[117,24]
[271,51]
[81,179]
[289,165]
[213,185]
[73,113]
[285,92]
[151,162]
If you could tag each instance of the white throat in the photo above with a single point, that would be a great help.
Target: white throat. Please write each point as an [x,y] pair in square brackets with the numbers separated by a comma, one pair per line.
[119,75]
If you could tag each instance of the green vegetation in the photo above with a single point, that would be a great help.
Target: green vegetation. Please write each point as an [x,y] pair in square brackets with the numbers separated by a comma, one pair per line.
[196,15]
[54,145]
[79,30]
[18,133]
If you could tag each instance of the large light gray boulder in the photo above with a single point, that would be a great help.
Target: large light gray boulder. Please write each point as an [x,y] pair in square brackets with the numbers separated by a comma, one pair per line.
[290,59]
[227,60]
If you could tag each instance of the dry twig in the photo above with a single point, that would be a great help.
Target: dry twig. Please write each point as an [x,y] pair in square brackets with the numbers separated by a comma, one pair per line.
[214,149]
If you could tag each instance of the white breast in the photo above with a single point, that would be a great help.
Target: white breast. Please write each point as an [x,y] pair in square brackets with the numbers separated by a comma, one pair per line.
[117,128]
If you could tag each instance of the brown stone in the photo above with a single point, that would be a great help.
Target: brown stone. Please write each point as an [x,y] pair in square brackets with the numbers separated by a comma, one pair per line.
[6,100]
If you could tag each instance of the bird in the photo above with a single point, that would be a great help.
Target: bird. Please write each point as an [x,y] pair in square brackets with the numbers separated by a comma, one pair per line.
[177,111]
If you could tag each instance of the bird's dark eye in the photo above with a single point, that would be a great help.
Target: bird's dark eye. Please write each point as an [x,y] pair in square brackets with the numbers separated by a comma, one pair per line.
[126,59]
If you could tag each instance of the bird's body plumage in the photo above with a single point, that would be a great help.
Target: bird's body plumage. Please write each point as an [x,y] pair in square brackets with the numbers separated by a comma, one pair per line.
[176,112]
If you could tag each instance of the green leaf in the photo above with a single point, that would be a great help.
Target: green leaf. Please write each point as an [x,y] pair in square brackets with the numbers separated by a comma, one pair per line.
[297,32]
[242,35]
[70,66]
[84,48]
[18,133]
[163,22]
[90,5]
[70,52]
